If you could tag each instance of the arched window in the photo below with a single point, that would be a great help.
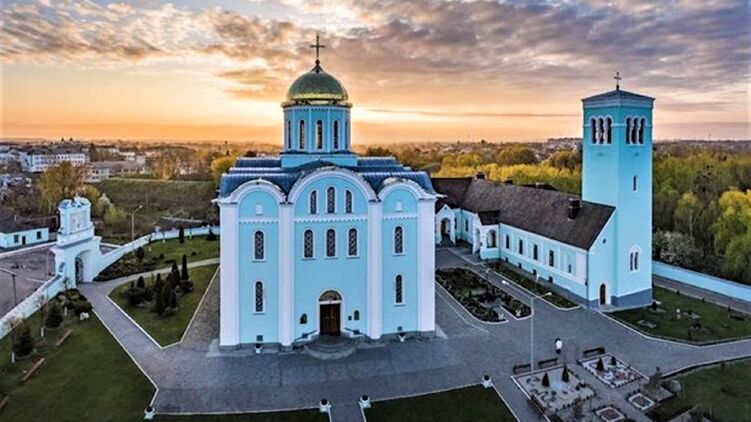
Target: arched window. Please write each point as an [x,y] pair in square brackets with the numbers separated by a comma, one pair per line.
[289,134]
[492,239]
[551,258]
[642,123]
[609,130]
[348,201]
[508,242]
[535,252]
[356,315]
[628,130]
[398,290]
[313,203]
[593,129]
[258,293]
[301,135]
[319,134]
[336,134]
[331,200]
[258,245]
[634,131]
[398,240]
[520,249]
[633,257]
[634,182]
[346,134]
[330,243]
[352,242]
[600,130]
[308,244]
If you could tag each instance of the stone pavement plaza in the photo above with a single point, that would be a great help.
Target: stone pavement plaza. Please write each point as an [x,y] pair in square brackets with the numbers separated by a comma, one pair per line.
[191,378]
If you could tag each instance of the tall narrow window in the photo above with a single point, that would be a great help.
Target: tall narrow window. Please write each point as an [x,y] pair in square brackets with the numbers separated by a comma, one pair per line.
[348,201]
[398,290]
[301,135]
[313,203]
[289,134]
[319,134]
[634,131]
[331,200]
[593,129]
[352,242]
[258,303]
[258,246]
[330,243]
[642,123]
[398,240]
[336,134]
[551,258]
[634,182]
[600,131]
[628,130]
[521,247]
[535,253]
[492,239]
[308,244]
[346,134]
[508,242]
[633,256]
[609,130]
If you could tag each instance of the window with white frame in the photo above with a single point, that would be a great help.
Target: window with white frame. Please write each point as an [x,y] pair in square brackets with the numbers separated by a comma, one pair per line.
[399,290]
[330,243]
[301,135]
[348,201]
[492,239]
[313,202]
[520,247]
[352,242]
[331,200]
[289,134]
[308,244]
[258,246]
[551,258]
[336,134]
[319,134]
[258,296]
[535,252]
[398,240]
[508,242]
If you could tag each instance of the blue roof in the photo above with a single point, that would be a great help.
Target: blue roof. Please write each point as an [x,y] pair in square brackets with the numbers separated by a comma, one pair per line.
[375,170]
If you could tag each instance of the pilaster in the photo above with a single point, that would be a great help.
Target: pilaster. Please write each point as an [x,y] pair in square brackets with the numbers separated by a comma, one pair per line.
[375,266]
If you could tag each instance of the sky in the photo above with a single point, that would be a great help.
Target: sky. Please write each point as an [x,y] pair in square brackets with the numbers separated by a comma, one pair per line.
[419,70]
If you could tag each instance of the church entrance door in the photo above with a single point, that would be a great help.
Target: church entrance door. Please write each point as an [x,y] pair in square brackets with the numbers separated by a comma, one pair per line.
[603,294]
[329,317]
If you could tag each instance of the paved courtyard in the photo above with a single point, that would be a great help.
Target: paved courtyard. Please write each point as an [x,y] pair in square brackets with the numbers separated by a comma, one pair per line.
[31,267]
[192,377]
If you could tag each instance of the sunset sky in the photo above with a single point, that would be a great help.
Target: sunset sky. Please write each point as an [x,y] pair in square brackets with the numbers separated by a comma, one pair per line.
[415,70]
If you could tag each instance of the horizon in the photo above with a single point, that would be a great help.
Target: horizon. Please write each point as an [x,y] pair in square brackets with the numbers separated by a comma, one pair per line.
[416,71]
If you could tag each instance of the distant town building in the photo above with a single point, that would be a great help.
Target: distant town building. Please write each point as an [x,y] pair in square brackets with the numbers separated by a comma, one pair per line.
[37,159]
[14,232]
[103,170]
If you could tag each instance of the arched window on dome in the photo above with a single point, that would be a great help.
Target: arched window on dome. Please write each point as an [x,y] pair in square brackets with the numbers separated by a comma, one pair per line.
[319,134]
[348,202]
[336,134]
[398,240]
[258,298]
[352,242]
[346,135]
[301,134]
[330,243]
[258,246]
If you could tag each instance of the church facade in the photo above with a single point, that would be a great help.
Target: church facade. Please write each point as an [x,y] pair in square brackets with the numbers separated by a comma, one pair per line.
[318,241]
[596,249]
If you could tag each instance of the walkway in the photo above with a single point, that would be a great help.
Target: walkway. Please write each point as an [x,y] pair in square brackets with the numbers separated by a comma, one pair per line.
[193,377]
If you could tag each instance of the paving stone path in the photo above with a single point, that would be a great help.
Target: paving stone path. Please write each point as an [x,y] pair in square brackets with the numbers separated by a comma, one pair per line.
[192,377]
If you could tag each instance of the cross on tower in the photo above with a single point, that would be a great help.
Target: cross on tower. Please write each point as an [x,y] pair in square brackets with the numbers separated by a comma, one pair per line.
[617,78]
[318,46]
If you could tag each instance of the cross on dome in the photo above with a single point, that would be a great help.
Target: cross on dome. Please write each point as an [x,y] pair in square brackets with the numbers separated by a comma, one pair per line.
[617,78]
[318,46]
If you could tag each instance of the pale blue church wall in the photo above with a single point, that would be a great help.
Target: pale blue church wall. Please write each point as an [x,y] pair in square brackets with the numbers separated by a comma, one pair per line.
[445,213]
[15,239]
[254,324]
[465,223]
[601,265]
[396,316]
[344,274]
[703,281]
[310,115]
[569,269]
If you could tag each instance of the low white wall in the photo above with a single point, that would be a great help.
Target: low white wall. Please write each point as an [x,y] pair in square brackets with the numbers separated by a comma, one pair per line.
[701,280]
[54,285]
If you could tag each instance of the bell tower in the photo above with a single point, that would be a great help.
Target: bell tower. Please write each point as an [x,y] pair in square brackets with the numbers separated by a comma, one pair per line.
[617,171]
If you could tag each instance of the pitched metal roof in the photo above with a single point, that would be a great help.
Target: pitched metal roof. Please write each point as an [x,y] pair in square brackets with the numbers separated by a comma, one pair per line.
[375,170]
[618,94]
[540,211]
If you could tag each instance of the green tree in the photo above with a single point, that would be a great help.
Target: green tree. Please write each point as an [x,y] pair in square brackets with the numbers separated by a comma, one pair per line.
[181,235]
[515,155]
[565,160]
[60,182]
[687,212]
[220,166]
[23,343]
[54,316]
[378,152]
[160,300]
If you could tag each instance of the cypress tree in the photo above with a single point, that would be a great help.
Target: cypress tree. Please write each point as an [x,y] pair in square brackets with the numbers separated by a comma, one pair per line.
[564,374]
[185,275]
[141,284]
[545,380]
[172,299]
[174,275]
[160,300]
[181,234]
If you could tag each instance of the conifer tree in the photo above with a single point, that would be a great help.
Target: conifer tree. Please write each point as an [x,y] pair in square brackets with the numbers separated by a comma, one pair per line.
[172,299]
[181,234]
[54,316]
[174,276]
[564,374]
[141,284]
[23,343]
[545,380]
[185,275]
[160,300]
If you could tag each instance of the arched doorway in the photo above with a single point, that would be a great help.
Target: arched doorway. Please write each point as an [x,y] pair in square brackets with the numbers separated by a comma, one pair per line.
[603,294]
[330,307]
[79,270]
[446,231]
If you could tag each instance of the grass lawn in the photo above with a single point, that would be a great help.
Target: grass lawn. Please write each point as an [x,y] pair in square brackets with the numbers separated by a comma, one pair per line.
[88,378]
[168,329]
[161,254]
[532,286]
[724,393]
[716,322]
[296,416]
[470,404]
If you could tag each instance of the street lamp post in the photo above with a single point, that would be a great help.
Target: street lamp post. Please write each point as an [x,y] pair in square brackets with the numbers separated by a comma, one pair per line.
[13,278]
[133,223]
[532,330]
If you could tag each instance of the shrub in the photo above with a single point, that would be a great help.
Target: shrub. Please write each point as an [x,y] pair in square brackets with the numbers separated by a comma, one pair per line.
[80,306]
[23,343]
[600,365]
[613,361]
[564,374]
[141,284]
[148,294]
[54,315]
[160,301]
[172,299]
[135,295]
[545,380]
[174,276]
[140,254]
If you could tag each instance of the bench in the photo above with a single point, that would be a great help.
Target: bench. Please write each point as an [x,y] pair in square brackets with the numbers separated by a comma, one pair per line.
[594,352]
[63,338]
[33,369]
[545,363]
[519,369]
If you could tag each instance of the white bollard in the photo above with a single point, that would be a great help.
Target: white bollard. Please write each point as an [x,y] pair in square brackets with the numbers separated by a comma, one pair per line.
[148,414]
[258,348]
[365,401]
[324,406]
[486,381]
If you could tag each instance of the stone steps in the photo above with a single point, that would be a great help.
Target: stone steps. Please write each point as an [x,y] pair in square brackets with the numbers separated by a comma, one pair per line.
[331,347]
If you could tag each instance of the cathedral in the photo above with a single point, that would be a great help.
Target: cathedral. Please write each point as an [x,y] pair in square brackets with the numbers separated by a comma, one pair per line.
[318,241]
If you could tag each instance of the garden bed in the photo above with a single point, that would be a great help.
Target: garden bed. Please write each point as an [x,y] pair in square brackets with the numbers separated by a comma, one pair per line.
[532,286]
[611,371]
[553,391]
[479,296]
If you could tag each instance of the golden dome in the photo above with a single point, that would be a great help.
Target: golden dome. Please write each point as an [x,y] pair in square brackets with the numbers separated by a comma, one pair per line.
[317,87]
